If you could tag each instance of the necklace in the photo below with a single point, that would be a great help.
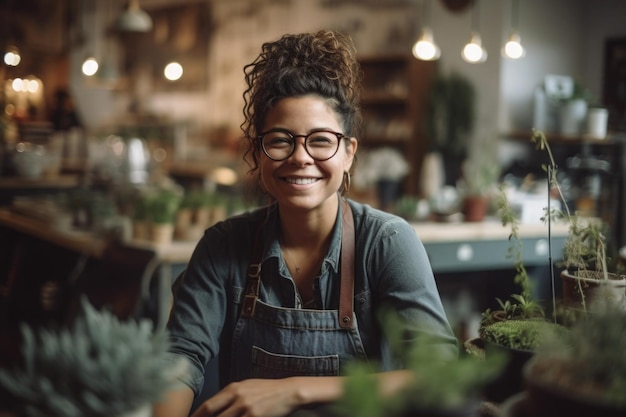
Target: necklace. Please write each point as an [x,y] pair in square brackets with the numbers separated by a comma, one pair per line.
[289,258]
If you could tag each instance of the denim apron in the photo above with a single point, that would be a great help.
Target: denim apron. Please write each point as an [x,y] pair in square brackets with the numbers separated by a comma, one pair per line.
[278,342]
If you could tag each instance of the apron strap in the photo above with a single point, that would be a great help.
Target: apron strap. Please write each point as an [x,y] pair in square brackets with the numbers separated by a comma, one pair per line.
[346,291]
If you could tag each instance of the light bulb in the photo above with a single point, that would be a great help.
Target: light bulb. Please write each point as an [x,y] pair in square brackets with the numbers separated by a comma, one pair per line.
[12,57]
[513,48]
[425,48]
[90,66]
[473,52]
[173,71]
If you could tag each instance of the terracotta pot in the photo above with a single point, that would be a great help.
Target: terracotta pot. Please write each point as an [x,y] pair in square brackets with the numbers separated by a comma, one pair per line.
[162,233]
[585,286]
[546,398]
[475,208]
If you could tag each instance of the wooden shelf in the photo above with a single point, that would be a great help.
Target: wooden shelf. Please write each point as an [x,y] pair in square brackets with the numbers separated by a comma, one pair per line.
[395,93]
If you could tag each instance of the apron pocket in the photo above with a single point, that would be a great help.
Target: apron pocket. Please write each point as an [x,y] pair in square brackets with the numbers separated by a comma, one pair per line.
[272,366]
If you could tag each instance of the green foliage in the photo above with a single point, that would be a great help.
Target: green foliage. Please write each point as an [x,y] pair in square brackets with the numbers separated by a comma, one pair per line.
[509,218]
[98,367]
[439,382]
[452,113]
[519,334]
[591,354]
[163,205]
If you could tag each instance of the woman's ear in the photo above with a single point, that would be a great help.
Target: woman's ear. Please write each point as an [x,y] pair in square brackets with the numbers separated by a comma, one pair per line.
[351,147]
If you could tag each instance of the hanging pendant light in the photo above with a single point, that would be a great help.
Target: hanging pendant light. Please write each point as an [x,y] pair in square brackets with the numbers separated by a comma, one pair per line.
[425,47]
[12,56]
[513,48]
[90,66]
[134,19]
[473,52]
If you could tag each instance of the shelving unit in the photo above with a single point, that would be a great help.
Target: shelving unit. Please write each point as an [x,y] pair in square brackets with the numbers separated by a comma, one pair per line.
[395,94]
[611,203]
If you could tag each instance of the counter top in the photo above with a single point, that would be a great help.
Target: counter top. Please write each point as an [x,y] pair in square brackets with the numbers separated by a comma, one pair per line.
[79,241]
[491,229]
[432,234]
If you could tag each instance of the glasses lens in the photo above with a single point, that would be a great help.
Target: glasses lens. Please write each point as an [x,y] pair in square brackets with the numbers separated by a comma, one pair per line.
[279,145]
[322,145]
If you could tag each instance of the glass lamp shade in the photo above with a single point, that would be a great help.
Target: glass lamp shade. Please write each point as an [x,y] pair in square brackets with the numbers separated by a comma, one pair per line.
[513,48]
[425,47]
[134,19]
[473,52]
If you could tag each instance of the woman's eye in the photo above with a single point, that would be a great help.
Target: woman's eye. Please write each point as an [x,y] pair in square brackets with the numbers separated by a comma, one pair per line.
[321,140]
[280,141]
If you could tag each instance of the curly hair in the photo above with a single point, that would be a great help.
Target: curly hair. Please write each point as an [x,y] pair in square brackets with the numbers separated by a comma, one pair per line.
[322,63]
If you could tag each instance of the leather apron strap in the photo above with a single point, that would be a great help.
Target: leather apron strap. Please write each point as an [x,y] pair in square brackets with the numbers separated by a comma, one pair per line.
[346,291]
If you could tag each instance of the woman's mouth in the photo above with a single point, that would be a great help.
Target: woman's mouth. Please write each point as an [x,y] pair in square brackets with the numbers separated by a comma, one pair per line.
[301,181]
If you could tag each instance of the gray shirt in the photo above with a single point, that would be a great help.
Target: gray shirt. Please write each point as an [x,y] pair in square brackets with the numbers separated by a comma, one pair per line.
[391,270]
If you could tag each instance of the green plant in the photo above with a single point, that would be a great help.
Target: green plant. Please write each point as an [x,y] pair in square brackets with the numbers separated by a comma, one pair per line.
[521,305]
[438,382]
[480,171]
[519,334]
[99,366]
[451,115]
[588,361]
[163,205]
[585,248]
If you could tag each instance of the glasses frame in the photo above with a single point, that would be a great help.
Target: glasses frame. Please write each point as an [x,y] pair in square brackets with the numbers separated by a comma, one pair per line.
[293,137]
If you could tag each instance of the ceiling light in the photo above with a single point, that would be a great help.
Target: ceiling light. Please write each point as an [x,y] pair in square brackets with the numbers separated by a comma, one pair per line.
[513,48]
[134,19]
[473,52]
[12,56]
[425,47]
[90,66]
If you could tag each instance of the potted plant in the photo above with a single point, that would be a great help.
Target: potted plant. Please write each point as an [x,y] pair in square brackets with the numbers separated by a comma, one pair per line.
[98,366]
[585,261]
[439,386]
[451,117]
[518,325]
[581,372]
[162,207]
[480,175]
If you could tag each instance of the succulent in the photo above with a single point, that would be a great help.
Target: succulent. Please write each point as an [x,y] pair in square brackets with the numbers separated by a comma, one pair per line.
[98,366]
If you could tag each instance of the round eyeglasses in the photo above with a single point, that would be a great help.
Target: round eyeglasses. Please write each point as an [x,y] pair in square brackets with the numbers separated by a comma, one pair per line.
[280,144]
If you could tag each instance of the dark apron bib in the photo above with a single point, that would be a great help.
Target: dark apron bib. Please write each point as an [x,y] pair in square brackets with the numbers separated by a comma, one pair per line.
[277,342]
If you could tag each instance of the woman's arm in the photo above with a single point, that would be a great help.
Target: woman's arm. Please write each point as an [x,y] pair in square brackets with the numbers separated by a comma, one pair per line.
[280,397]
[177,403]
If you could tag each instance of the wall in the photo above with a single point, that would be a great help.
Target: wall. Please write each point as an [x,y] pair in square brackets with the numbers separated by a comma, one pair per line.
[560,36]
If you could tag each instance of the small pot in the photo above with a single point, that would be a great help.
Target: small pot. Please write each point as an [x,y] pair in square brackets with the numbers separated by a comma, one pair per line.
[544,398]
[579,288]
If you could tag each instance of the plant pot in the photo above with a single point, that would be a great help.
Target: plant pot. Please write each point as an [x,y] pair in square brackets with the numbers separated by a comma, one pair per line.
[141,230]
[182,222]
[162,233]
[551,396]
[582,287]
[510,380]
[475,208]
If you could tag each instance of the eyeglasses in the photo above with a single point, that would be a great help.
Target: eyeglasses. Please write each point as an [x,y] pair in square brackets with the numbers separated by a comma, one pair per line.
[280,144]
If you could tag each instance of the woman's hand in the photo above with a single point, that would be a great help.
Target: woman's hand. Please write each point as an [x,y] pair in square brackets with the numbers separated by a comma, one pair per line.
[269,397]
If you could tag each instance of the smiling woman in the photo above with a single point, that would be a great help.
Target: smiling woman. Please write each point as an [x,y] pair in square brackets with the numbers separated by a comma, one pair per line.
[290,293]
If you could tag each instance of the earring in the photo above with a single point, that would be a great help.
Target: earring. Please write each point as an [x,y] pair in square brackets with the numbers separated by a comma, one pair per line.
[346,182]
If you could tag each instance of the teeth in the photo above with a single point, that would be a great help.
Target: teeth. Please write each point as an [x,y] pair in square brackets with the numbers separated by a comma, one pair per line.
[301,181]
